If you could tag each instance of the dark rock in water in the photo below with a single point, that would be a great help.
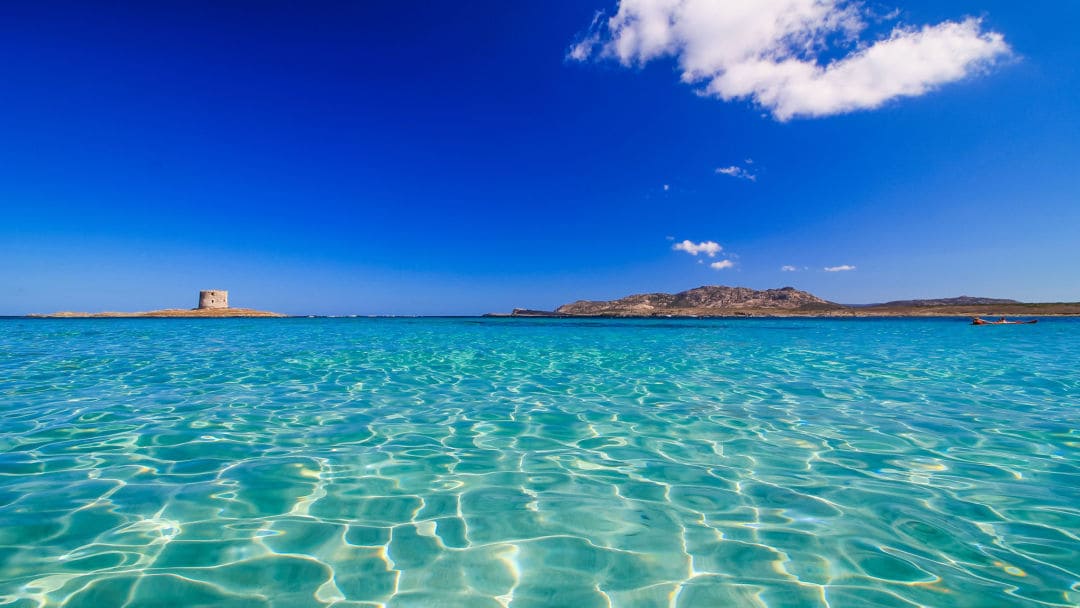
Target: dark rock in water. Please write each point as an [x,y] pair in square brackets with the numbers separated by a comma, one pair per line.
[525,312]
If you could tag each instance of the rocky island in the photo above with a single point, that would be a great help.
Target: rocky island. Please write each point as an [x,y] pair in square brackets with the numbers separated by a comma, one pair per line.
[213,303]
[723,301]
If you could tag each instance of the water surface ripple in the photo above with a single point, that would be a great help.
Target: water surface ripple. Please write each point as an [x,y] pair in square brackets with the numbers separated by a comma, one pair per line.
[523,463]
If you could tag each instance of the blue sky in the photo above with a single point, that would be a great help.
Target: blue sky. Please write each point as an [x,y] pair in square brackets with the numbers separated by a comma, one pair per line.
[420,158]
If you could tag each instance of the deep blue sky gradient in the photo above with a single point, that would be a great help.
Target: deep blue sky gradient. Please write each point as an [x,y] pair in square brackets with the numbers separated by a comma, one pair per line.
[424,158]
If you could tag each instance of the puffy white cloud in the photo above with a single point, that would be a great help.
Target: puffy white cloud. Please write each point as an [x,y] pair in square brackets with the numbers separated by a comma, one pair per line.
[709,248]
[841,268]
[739,172]
[788,268]
[772,51]
[722,264]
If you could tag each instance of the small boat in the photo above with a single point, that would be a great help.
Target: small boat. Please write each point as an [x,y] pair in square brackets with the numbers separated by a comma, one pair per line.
[1001,321]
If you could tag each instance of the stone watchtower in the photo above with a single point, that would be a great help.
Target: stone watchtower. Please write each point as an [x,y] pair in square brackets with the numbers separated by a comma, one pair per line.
[214,298]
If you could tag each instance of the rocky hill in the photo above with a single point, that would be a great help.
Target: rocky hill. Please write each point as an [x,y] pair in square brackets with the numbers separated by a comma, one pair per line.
[721,301]
[706,300]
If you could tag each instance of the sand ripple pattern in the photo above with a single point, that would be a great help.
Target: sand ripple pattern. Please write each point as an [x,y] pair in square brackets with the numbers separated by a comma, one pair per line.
[525,463]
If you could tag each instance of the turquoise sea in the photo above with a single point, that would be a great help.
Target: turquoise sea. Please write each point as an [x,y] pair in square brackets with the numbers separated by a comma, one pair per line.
[547,462]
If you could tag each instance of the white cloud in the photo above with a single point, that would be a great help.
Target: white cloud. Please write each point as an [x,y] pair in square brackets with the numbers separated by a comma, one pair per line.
[667,187]
[841,268]
[709,248]
[792,57]
[722,264]
[738,172]
[788,268]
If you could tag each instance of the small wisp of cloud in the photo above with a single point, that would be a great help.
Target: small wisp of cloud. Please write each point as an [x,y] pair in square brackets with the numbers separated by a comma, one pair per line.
[722,264]
[841,268]
[736,171]
[709,248]
[788,268]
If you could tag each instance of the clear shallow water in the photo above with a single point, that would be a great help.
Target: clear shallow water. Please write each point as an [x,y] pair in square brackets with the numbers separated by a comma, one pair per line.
[468,462]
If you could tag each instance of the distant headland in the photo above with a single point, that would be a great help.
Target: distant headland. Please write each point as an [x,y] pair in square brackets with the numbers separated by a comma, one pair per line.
[213,303]
[723,301]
